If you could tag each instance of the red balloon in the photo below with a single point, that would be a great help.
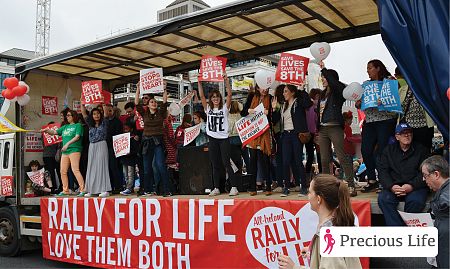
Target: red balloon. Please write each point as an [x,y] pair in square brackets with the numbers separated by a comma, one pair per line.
[8,94]
[3,92]
[19,90]
[448,93]
[10,83]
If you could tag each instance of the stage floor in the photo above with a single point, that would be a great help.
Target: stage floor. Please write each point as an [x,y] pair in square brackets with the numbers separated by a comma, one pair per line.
[372,197]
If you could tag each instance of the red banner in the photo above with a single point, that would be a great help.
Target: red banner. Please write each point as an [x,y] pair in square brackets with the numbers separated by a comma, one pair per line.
[212,68]
[51,139]
[179,233]
[50,105]
[291,69]
[91,92]
[6,186]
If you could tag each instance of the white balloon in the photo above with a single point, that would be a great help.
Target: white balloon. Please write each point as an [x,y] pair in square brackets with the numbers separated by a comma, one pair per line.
[13,100]
[22,83]
[23,100]
[320,50]
[5,106]
[353,91]
[174,109]
[264,78]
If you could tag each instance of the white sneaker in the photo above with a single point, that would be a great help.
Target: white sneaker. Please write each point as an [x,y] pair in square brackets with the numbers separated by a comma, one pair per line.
[104,194]
[214,192]
[88,194]
[234,191]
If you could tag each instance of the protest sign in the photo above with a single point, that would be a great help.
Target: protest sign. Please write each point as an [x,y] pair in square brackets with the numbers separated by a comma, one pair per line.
[151,81]
[212,68]
[76,106]
[33,142]
[186,99]
[106,97]
[174,233]
[37,177]
[6,186]
[91,92]
[50,105]
[191,133]
[121,144]
[416,219]
[371,94]
[291,69]
[51,139]
[253,125]
[139,121]
[389,96]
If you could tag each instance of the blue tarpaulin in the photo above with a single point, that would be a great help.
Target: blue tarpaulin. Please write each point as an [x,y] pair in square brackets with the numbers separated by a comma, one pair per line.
[416,33]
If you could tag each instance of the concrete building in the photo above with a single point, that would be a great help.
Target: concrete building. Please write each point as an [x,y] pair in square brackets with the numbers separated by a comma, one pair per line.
[8,61]
[181,7]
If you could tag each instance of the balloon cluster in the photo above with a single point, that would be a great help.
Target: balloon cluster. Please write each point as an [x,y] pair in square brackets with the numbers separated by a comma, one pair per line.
[16,91]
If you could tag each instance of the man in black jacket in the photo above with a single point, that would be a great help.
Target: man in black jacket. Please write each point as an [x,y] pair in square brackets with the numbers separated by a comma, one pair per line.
[400,176]
[115,127]
[435,174]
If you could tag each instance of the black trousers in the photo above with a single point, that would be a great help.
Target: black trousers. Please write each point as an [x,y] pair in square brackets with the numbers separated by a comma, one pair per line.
[219,153]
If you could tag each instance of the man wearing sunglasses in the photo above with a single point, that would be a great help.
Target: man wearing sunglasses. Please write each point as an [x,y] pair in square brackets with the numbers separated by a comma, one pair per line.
[400,176]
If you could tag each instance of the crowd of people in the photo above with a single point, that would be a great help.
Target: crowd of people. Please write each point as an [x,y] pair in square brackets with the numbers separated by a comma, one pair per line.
[395,149]
[274,161]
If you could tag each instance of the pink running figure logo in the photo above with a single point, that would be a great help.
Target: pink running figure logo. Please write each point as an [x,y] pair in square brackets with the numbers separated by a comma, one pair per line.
[330,241]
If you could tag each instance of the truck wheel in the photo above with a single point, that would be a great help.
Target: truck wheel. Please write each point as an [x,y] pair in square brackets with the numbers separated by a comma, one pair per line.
[9,233]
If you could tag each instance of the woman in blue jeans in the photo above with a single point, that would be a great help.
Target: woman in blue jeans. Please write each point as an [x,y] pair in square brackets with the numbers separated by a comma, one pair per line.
[152,144]
[293,122]
[378,127]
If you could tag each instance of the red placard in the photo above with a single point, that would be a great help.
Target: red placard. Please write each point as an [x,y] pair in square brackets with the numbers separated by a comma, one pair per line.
[50,105]
[168,233]
[51,139]
[106,97]
[212,68]
[139,121]
[291,69]
[6,185]
[91,92]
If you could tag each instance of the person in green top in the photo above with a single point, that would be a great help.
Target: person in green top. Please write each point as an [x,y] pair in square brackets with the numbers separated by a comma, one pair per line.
[71,151]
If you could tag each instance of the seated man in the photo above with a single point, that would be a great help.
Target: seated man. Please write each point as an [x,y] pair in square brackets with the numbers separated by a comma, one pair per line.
[399,174]
[435,174]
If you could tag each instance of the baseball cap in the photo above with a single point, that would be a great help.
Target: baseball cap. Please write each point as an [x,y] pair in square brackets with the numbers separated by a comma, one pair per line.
[402,127]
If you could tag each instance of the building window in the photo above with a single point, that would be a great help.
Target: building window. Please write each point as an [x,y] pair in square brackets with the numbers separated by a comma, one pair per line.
[3,77]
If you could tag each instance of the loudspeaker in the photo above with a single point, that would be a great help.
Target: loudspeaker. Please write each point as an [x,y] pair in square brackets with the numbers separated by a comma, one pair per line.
[195,170]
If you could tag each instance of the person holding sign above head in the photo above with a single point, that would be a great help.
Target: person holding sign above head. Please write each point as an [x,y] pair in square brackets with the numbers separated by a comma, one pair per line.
[260,148]
[331,125]
[217,130]
[293,126]
[378,125]
[330,199]
[152,147]
[97,174]
[71,151]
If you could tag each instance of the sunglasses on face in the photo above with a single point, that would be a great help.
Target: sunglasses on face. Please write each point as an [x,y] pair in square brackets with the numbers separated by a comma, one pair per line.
[145,97]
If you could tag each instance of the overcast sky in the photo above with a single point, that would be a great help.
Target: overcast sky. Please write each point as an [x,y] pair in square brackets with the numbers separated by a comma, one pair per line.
[74,23]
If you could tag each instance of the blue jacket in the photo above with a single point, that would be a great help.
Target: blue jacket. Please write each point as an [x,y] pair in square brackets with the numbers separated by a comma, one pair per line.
[298,112]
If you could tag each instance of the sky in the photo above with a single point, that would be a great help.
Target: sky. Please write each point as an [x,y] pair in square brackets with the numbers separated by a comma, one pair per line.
[74,23]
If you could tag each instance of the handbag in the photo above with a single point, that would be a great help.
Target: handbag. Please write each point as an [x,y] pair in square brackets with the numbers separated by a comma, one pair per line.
[304,137]
[409,99]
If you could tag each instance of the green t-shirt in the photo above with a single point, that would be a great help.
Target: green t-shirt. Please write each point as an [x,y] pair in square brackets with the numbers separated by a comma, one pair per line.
[68,132]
